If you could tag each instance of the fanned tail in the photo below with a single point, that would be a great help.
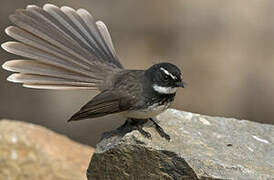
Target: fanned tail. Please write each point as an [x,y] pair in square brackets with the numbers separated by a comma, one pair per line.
[65,49]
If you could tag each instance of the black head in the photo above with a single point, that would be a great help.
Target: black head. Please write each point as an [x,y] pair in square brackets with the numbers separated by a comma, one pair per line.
[165,78]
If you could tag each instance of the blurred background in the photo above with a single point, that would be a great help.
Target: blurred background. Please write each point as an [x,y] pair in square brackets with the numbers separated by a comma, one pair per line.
[224,48]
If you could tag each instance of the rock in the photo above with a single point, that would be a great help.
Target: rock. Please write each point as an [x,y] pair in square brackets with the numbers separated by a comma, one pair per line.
[30,151]
[201,147]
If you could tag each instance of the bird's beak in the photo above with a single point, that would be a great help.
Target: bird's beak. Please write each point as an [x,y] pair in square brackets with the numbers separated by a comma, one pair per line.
[180,84]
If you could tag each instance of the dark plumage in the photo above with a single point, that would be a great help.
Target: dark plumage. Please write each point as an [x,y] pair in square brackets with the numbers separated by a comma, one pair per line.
[67,49]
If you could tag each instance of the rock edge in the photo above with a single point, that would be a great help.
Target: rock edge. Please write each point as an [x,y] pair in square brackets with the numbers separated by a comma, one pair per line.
[201,147]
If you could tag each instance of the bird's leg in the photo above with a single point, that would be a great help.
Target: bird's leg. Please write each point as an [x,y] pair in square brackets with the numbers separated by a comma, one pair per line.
[160,130]
[120,131]
[124,125]
[138,125]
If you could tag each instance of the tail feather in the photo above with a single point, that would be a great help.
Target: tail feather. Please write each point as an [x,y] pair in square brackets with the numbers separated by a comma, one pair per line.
[38,79]
[34,41]
[106,36]
[55,87]
[68,27]
[51,32]
[43,56]
[96,33]
[67,49]
[35,67]
[83,29]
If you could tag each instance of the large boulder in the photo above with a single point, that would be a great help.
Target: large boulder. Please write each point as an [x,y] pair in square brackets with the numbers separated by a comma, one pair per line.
[201,147]
[29,151]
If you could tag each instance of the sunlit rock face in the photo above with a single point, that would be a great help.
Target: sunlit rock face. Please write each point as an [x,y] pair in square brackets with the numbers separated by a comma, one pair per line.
[30,152]
[201,147]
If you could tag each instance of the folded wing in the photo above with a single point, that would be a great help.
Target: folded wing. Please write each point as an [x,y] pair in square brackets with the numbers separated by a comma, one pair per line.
[103,104]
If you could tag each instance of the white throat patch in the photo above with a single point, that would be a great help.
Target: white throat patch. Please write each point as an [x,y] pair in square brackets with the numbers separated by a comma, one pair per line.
[168,73]
[164,90]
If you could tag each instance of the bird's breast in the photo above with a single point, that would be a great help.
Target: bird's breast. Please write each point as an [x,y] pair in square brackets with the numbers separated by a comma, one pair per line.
[147,112]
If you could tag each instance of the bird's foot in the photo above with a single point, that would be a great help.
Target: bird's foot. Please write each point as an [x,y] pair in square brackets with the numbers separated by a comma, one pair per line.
[138,125]
[143,132]
[160,130]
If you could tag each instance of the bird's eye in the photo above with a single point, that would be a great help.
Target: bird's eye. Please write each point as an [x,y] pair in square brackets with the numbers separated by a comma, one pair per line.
[166,77]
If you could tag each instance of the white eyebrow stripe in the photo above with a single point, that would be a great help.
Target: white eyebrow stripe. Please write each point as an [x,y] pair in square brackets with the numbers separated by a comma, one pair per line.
[168,73]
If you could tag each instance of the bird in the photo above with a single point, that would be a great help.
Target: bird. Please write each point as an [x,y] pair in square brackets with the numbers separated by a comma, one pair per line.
[62,49]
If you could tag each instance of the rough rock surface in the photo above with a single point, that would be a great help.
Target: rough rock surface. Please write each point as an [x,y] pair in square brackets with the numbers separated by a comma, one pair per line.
[31,152]
[201,147]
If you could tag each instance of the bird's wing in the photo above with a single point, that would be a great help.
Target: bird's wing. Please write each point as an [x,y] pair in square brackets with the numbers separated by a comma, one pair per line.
[124,95]
[103,104]
[65,49]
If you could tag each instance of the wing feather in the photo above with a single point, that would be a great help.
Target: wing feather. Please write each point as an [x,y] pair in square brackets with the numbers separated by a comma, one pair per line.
[101,105]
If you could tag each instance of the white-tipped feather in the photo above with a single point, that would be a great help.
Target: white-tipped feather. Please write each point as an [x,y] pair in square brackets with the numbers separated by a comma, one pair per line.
[54,22]
[105,34]
[4,66]
[34,41]
[5,46]
[93,29]
[12,78]
[82,31]
[34,67]
[71,13]
[64,23]
[38,79]
[67,49]
[60,16]
[49,6]
[7,31]
[42,56]
[56,87]
[31,6]
[89,24]
[51,34]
